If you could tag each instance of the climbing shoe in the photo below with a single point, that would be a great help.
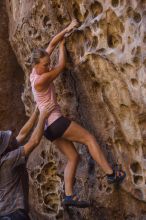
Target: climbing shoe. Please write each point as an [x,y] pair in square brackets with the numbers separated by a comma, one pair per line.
[75,202]
[117,176]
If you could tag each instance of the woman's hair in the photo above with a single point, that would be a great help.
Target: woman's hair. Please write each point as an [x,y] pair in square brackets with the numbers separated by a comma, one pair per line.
[37,54]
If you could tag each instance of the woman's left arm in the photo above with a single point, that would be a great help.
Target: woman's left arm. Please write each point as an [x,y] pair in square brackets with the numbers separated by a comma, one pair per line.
[28,126]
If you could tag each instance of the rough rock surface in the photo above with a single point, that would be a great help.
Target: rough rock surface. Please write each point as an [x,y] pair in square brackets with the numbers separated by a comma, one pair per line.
[12,114]
[104,88]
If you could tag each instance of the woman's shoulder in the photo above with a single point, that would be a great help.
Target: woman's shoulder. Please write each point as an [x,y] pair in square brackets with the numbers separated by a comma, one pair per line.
[33,74]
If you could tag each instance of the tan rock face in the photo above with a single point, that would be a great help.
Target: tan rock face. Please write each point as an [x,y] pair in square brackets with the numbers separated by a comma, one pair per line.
[103,88]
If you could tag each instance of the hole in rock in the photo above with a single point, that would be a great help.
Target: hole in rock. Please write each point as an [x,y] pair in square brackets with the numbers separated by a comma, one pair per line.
[92,74]
[114,41]
[62,20]
[129,40]
[136,168]
[115,3]
[122,69]
[49,186]
[43,154]
[101,50]
[86,14]
[134,82]
[144,39]
[54,206]
[88,32]
[41,178]
[95,85]
[48,199]
[130,12]
[136,60]
[56,4]
[122,28]
[39,38]
[138,193]
[49,166]
[137,17]
[77,13]
[46,21]
[96,8]
[34,173]
[138,51]
[138,179]
[109,190]
[34,31]
[30,32]
[42,164]
[94,42]
[100,187]
[81,51]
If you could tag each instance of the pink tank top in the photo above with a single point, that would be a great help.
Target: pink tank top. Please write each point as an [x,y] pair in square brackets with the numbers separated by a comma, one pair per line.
[45,98]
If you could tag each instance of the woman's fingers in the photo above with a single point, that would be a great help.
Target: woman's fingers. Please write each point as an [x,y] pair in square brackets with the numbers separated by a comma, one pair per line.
[46,112]
[72,25]
[51,108]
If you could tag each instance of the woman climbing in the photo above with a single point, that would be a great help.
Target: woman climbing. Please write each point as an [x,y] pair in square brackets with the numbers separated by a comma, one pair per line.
[60,130]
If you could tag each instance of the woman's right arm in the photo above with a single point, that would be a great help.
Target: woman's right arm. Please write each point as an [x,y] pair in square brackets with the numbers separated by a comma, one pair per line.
[60,36]
[45,79]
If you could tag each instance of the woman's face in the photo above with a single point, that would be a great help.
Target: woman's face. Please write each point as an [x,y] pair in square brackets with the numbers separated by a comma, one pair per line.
[43,66]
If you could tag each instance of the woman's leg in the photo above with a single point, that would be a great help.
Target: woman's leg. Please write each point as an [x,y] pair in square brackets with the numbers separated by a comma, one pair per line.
[69,150]
[78,134]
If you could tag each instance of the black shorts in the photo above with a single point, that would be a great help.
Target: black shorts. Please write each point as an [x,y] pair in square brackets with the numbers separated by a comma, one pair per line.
[57,128]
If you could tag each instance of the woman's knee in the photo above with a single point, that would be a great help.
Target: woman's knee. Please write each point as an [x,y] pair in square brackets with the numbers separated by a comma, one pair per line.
[90,139]
[74,158]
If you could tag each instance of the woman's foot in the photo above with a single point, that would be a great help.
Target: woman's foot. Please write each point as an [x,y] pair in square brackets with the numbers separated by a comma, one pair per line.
[117,176]
[72,200]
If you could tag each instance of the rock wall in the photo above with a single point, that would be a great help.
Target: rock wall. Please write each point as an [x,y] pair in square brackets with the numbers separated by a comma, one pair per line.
[12,114]
[103,88]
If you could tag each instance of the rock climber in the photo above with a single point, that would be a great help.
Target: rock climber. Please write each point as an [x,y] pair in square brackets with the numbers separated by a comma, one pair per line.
[59,129]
